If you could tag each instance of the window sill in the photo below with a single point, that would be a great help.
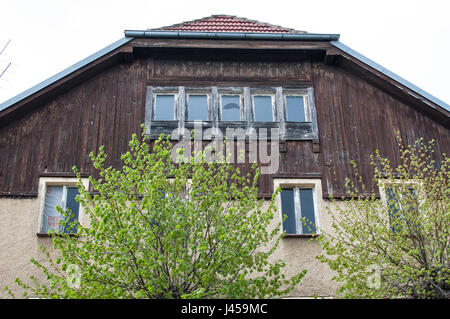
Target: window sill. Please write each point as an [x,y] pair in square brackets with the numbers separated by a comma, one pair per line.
[265,124]
[47,235]
[192,123]
[301,235]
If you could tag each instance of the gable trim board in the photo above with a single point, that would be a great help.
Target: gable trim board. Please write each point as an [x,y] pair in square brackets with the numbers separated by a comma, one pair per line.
[8,107]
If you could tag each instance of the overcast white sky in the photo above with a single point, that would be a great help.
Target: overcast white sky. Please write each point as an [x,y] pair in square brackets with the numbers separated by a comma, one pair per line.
[410,38]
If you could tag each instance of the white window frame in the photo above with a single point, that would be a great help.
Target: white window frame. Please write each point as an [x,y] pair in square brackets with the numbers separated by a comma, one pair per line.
[165,90]
[384,184]
[241,106]
[273,100]
[304,95]
[291,183]
[44,182]
[175,98]
[197,92]
[290,130]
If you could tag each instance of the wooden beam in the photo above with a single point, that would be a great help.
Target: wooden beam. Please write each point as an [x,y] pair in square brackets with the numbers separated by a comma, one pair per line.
[330,56]
[128,54]
[234,44]
[62,174]
[18,194]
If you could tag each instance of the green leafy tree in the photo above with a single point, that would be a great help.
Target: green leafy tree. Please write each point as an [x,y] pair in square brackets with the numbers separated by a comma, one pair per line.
[395,246]
[160,229]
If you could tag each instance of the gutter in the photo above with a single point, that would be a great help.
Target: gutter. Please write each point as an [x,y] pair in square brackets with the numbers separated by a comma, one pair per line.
[232,35]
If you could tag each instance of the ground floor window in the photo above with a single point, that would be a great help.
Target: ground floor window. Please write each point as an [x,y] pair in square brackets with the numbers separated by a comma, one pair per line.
[299,206]
[62,192]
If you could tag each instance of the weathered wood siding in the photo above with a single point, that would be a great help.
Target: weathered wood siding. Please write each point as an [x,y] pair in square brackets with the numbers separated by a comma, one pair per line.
[104,110]
[354,116]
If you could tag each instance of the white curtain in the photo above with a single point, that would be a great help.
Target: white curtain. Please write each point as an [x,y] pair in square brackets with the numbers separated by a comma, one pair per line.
[54,196]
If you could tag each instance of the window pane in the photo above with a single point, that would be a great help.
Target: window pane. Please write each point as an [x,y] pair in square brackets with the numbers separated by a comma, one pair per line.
[406,202]
[288,209]
[295,109]
[74,207]
[394,212]
[164,107]
[263,108]
[307,209]
[53,198]
[231,108]
[198,108]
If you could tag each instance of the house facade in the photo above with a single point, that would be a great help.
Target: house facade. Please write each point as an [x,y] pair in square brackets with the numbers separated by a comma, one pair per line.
[316,103]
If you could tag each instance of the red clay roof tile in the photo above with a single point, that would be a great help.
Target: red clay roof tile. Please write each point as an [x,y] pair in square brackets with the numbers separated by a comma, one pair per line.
[226,23]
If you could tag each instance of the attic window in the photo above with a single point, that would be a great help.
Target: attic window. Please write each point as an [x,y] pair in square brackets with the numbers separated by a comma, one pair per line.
[295,108]
[263,108]
[230,106]
[290,109]
[197,107]
[164,107]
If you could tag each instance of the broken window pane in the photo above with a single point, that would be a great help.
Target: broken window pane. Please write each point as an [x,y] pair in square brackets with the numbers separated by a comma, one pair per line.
[231,108]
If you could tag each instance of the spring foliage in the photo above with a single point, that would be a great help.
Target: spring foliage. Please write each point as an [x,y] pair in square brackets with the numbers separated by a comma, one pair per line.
[159,229]
[396,246]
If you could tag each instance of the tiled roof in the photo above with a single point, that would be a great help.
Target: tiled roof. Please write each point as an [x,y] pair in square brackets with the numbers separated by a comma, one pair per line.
[226,23]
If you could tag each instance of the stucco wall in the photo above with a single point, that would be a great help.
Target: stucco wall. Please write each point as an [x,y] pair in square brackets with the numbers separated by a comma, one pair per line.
[300,253]
[18,243]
